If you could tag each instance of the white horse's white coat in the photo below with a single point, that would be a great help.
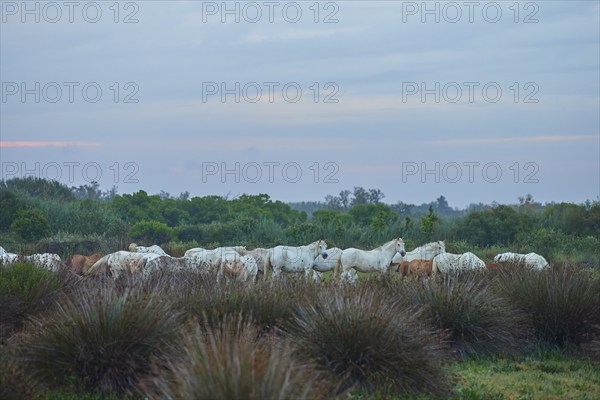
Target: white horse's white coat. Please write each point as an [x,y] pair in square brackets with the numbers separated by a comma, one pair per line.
[449,262]
[152,249]
[44,260]
[531,260]
[122,261]
[376,260]
[213,256]
[426,252]
[296,259]
[243,268]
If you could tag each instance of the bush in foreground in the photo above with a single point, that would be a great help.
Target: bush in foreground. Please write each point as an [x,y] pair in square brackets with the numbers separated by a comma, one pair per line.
[475,319]
[365,340]
[227,362]
[563,303]
[99,340]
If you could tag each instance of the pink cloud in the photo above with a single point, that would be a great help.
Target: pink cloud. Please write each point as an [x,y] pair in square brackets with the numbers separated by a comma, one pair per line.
[48,144]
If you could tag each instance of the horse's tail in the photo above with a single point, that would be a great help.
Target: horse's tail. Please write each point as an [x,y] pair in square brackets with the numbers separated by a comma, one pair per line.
[267,265]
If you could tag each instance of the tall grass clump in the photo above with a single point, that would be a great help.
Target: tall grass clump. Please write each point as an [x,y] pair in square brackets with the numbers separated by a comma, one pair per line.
[368,342]
[27,290]
[269,304]
[563,303]
[99,340]
[226,362]
[466,309]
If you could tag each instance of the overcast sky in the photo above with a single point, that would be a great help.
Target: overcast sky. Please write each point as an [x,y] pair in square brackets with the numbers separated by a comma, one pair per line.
[478,101]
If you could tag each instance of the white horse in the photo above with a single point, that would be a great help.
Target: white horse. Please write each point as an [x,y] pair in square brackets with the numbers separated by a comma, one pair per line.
[449,262]
[531,260]
[152,249]
[376,260]
[243,268]
[44,260]
[426,252]
[325,264]
[122,261]
[296,259]
[262,258]
[213,256]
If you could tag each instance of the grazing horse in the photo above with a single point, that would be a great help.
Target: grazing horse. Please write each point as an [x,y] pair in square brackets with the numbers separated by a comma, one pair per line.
[415,268]
[243,268]
[44,260]
[213,256]
[80,264]
[531,260]
[426,252]
[449,262]
[296,259]
[376,260]
[324,264]
[152,249]
[262,258]
[122,261]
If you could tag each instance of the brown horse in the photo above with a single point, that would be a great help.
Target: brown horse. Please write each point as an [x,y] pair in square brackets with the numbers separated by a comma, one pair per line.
[415,268]
[80,264]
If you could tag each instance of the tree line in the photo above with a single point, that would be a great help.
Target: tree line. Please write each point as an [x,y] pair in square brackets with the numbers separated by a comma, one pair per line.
[37,213]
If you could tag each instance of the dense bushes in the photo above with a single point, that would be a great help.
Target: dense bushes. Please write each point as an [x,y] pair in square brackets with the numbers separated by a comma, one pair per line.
[26,290]
[99,339]
[180,335]
[467,309]
[228,362]
[364,339]
[563,303]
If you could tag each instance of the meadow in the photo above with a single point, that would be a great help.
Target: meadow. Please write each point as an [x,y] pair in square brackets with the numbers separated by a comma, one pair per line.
[510,333]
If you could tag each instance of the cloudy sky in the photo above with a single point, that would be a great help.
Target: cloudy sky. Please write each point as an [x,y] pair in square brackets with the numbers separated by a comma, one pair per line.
[478,101]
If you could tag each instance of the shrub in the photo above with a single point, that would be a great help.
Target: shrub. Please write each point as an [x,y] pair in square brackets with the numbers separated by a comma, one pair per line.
[470,313]
[268,304]
[563,303]
[364,339]
[31,225]
[15,383]
[151,232]
[99,340]
[27,290]
[227,363]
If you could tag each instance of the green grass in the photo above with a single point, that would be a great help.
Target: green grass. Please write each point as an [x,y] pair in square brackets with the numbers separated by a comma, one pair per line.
[547,378]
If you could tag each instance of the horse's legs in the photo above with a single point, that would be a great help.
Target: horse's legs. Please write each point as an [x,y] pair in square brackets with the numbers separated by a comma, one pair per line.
[316,276]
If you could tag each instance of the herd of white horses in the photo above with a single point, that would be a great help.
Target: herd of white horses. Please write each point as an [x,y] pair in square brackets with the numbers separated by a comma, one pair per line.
[239,263]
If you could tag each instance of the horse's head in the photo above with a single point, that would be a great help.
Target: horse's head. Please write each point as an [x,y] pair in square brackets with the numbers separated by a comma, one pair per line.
[133,247]
[440,247]
[322,248]
[400,247]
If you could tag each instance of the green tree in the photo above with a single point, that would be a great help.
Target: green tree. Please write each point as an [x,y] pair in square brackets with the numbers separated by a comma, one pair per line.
[428,224]
[151,232]
[10,205]
[31,225]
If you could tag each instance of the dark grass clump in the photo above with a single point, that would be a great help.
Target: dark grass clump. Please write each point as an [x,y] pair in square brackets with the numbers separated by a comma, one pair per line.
[268,304]
[368,342]
[98,340]
[15,382]
[27,290]
[473,317]
[227,362]
[563,303]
